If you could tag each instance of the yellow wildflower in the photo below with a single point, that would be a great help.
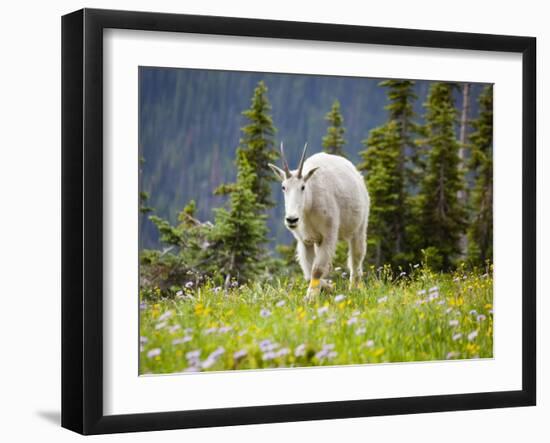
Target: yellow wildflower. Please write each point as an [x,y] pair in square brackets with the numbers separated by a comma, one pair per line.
[378,352]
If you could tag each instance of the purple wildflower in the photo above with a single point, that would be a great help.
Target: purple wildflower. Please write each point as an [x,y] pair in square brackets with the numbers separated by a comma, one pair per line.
[193,355]
[282,352]
[154,353]
[240,354]
[217,353]
[174,328]
[267,345]
[300,350]
[269,355]
[179,341]
[165,316]
[208,363]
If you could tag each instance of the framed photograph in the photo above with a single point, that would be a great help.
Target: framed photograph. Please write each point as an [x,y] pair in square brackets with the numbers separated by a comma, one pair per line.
[268,221]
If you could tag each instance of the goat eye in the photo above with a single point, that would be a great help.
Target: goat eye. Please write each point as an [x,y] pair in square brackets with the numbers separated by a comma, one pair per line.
[303,187]
[284,189]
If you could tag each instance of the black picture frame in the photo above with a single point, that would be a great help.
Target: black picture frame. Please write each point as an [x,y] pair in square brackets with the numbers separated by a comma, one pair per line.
[82,219]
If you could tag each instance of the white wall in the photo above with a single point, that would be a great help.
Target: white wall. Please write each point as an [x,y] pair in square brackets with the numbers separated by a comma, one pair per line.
[30,222]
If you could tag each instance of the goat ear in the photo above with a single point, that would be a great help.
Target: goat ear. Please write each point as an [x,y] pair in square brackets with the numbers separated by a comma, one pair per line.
[310,173]
[279,173]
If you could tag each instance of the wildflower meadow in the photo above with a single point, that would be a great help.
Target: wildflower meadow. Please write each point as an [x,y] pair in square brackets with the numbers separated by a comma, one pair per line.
[414,316]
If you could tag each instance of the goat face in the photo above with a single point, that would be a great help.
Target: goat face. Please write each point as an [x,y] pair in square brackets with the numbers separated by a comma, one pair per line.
[294,187]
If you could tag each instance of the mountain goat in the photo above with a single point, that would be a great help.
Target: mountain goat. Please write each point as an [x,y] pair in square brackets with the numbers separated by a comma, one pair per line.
[326,200]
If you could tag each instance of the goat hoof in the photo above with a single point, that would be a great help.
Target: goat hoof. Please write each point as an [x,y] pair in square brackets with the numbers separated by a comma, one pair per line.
[312,293]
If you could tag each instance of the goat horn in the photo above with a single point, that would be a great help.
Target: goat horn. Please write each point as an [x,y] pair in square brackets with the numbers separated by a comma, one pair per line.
[302,161]
[285,164]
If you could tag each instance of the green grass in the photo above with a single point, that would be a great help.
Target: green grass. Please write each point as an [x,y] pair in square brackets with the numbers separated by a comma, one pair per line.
[389,320]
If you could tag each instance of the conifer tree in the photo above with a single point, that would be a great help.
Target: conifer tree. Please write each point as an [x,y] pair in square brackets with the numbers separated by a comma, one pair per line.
[256,147]
[385,182]
[333,141]
[239,234]
[441,216]
[401,96]
[480,231]
[390,164]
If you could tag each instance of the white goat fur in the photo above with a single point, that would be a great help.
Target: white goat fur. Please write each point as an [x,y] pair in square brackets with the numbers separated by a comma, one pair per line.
[334,206]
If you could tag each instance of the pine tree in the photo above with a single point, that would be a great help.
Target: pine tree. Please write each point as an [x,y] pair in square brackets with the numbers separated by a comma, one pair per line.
[391,164]
[239,234]
[333,141]
[256,147]
[384,177]
[480,231]
[441,216]
[402,97]
[185,244]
